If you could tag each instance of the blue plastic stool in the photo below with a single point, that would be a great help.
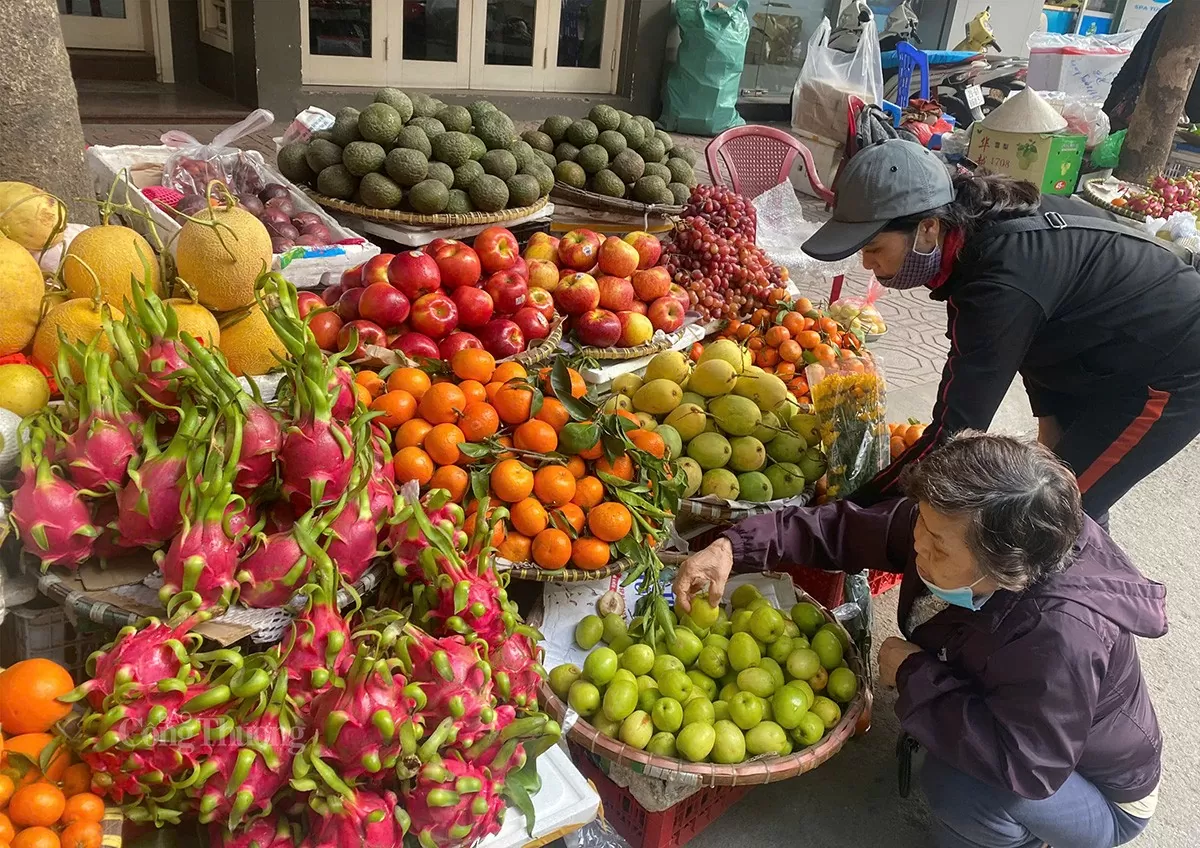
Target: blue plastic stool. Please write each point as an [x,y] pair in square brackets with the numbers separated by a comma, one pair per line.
[893,110]
[910,57]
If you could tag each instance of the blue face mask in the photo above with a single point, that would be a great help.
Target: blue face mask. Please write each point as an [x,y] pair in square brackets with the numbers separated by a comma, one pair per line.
[960,597]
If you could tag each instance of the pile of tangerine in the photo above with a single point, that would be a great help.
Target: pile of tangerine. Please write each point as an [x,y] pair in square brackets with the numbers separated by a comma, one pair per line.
[560,512]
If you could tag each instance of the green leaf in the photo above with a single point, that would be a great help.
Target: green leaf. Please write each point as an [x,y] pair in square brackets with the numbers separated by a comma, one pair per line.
[474,450]
[560,382]
[535,406]
[480,483]
[518,795]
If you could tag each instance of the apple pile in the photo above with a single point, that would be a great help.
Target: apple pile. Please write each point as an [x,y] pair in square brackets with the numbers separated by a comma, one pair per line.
[713,257]
[433,302]
[613,290]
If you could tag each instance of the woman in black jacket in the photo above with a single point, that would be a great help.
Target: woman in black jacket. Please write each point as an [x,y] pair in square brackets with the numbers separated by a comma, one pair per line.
[1102,323]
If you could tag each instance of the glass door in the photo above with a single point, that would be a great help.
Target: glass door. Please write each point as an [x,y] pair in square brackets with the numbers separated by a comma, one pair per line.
[584,36]
[345,42]
[508,45]
[106,24]
[435,44]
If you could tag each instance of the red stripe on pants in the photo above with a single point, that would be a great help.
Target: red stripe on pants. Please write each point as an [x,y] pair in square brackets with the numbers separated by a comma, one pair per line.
[1127,441]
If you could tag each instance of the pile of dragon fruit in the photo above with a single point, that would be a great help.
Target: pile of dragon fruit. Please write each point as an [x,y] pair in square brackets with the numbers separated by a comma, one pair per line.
[419,718]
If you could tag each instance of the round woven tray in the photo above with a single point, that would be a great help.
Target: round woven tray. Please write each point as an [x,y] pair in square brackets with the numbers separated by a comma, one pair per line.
[529,571]
[537,353]
[726,513]
[620,354]
[750,773]
[602,203]
[394,216]
[1102,193]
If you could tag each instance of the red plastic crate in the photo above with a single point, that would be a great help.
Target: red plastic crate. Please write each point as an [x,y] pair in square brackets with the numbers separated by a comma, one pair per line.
[669,828]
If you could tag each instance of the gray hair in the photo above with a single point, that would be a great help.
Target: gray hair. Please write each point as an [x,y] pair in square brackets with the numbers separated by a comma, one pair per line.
[1021,503]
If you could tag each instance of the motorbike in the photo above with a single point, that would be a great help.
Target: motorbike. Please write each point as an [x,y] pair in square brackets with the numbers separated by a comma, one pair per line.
[980,35]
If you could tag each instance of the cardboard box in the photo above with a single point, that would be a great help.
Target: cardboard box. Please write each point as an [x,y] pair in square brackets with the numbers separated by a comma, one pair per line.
[1051,161]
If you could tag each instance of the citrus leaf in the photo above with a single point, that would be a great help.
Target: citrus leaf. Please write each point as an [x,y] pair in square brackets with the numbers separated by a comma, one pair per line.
[474,450]
[560,383]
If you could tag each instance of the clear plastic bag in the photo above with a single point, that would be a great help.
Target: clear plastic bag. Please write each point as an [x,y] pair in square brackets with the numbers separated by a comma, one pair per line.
[782,230]
[849,399]
[1084,116]
[193,166]
[829,77]
[597,834]
[858,314]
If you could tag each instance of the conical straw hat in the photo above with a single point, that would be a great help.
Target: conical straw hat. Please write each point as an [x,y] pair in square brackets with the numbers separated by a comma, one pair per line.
[1025,112]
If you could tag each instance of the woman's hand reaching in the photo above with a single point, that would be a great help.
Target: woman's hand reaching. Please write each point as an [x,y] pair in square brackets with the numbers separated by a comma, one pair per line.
[710,567]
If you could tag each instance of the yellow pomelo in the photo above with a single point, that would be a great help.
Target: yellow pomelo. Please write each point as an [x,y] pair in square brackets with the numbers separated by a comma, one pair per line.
[80,321]
[23,389]
[21,290]
[250,345]
[113,254]
[31,217]
[196,321]
[222,262]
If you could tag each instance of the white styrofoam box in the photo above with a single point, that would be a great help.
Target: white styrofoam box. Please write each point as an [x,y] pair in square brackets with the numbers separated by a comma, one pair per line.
[1081,65]
[827,155]
[302,266]
[566,802]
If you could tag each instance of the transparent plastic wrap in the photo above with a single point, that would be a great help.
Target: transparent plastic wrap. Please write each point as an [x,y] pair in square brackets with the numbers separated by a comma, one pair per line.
[782,230]
[597,834]
[849,399]
[859,314]
[1084,115]
[829,76]
[193,166]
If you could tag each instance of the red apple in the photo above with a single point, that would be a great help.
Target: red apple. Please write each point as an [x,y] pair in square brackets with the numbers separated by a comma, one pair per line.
[457,341]
[384,304]
[521,267]
[666,314]
[542,246]
[416,345]
[375,269]
[415,273]
[616,293]
[648,246]
[369,333]
[598,328]
[459,265]
[652,283]
[542,301]
[680,293]
[618,258]
[543,274]
[438,243]
[578,249]
[307,301]
[636,329]
[577,293]
[497,248]
[325,327]
[331,294]
[502,337]
[533,323]
[508,291]
[434,314]
[351,277]
[475,306]
[640,307]
[347,305]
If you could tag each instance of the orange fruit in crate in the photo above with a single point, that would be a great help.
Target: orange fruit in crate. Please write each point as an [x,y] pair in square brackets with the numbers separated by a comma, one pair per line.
[589,554]
[85,807]
[413,464]
[473,391]
[825,354]
[39,804]
[361,395]
[578,386]
[29,692]
[621,467]
[514,403]
[568,516]
[790,351]
[412,380]
[577,467]
[828,326]
[552,549]
[554,413]
[411,434]
[397,407]
[507,442]
[372,382]
[536,436]
[756,344]
[36,837]
[6,829]
[497,529]
[554,485]
[473,364]
[913,432]
[589,492]
[767,357]
[777,335]
[511,481]
[610,521]
[529,517]
[441,443]
[479,421]
[794,322]
[82,834]
[808,339]
[785,370]
[442,404]
[7,787]
[453,479]
[897,446]
[28,747]
[650,442]
[506,371]
[516,547]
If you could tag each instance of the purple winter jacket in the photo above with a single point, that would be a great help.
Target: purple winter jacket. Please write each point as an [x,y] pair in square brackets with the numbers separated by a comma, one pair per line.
[1034,686]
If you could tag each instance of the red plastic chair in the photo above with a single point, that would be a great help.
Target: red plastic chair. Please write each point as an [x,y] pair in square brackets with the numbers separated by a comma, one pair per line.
[758,158]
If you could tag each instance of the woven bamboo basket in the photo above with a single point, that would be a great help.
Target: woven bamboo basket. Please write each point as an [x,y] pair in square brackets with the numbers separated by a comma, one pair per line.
[752,772]
[601,203]
[1102,193]
[726,513]
[620,354]
[395,216]
[542,349]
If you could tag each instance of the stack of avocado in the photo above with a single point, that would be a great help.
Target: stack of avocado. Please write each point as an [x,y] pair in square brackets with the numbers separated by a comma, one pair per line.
[616,154]
[420,155]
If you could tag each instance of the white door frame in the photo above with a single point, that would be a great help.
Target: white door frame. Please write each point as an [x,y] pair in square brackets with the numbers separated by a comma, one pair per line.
[420,74]
[347,70]
[516,77]
[164,53]
[587,80]
[132,32]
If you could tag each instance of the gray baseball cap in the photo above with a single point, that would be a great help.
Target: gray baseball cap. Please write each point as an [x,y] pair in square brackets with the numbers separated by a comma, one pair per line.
[890,179]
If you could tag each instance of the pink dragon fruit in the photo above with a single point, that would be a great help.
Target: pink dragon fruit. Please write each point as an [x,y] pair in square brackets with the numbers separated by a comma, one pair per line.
[199,569]
[317,646]
[341,387]
[98,453]
[382,453]
[50,514]
[408,538]
[359,523]
[150,504]
[270,831]
[108,545]
[278,566]
[149,358]
[516,670]
[139,659]
[453,804]
[363,819]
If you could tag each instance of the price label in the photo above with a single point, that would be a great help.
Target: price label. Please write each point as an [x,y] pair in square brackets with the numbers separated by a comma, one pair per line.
[974,96]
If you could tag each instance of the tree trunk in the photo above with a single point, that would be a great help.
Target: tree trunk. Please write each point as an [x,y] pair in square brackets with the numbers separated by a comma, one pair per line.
[1168,82]
[41,140]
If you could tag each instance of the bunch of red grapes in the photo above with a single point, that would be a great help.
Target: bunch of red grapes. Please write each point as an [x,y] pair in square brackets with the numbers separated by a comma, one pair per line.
[714,258]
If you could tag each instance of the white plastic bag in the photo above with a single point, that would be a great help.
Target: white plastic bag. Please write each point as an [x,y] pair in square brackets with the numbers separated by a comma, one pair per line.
[1081,65]
[194,165]
[829,77]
